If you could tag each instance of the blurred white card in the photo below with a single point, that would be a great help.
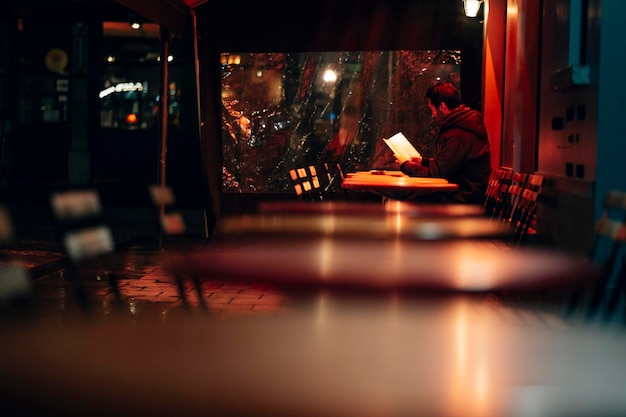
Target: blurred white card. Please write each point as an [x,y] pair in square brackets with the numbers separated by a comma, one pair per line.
[69,205]
[88,243]
[173,223]
[161,196]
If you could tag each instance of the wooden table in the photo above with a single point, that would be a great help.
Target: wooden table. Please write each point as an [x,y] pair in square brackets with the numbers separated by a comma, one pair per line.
[372,225]
[392,264]
[390,207]
[395,185]
[330,357]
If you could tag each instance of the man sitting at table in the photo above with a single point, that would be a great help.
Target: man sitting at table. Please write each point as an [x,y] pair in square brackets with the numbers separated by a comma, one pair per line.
[462,149]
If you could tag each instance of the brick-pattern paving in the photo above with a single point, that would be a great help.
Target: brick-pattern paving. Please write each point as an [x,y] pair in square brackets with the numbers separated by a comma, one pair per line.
[145,288]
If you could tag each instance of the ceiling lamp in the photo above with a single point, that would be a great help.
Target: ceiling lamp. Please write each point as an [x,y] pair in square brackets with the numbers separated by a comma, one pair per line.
[472,7]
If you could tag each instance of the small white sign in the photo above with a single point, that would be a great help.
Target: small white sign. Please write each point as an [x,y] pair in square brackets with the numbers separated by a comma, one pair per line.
[63,85]
[75,204]
[173,223]
[161,195]
[88,243]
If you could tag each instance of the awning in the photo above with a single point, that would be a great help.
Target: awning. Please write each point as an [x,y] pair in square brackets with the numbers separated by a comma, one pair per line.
[169,14]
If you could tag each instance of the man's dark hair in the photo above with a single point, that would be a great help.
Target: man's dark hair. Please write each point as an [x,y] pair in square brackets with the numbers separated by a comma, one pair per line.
[444,92]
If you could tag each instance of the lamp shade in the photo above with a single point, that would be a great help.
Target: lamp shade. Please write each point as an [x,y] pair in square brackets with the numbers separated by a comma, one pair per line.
[471,7]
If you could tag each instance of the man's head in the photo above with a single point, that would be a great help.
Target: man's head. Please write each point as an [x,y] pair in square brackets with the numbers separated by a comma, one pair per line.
[442,97]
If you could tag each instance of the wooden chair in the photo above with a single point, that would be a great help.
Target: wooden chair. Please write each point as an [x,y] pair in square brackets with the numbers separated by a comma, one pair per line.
[514,191]
[84,238]
[316,182]
[523,217]
[515,203]
[496,195]
[334,176]
[492,186]
[306,183]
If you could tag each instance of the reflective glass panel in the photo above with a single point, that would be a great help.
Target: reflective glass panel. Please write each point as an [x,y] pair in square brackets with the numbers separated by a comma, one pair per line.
[285,110]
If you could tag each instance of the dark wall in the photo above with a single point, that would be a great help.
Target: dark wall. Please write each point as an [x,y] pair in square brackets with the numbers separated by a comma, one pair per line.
[35,150]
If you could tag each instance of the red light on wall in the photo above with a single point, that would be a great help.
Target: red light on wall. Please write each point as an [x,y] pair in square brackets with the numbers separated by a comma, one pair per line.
[131,118]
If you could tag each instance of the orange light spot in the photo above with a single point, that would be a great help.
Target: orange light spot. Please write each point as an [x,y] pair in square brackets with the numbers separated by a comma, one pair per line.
[131,118]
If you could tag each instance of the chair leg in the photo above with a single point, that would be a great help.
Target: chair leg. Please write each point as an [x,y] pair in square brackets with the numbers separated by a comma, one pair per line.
[198,285]
[80,291]
[617,293]
[180,283]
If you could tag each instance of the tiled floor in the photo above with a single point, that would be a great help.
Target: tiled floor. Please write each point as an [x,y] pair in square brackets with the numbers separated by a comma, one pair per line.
[145,287]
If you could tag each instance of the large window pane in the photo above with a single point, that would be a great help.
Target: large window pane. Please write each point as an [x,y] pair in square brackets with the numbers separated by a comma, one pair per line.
[131,80]
[283,110]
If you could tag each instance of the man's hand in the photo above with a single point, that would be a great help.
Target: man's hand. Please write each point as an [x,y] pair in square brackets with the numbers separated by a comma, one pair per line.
[417,159]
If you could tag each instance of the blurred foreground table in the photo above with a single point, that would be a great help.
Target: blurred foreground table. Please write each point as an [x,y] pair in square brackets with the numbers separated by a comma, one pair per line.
[364,225]
[466,265]
[390,207]
[330,357]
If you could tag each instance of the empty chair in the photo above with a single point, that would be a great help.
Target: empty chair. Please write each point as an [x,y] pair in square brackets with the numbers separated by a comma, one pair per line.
[515,204]
[171,221]
[15,281]
[84,237]
[523,213]
[334,175]
[514,191]
[306,183]
[496,193]
[491,190]
[316,182]
[601,299]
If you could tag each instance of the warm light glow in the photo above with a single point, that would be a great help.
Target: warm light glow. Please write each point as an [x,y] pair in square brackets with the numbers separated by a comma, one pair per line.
[121,87]
[135,25]
[330,76]
[230,59]
[244,123]
[326,256]
[472,7]
[131,118]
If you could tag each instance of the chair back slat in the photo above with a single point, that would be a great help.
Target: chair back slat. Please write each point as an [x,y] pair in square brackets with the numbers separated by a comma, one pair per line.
[499,181]
[316,182]
[515,190]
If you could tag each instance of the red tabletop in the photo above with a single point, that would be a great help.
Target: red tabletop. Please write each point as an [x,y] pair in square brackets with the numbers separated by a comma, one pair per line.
[396,186]
[390,207]
[363,226]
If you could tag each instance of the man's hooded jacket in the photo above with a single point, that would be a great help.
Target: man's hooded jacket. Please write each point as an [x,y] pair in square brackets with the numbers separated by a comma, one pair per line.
[462,156]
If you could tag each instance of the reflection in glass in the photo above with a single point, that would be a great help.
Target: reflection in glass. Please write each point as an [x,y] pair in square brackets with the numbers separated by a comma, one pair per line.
[130,88]
[284,110]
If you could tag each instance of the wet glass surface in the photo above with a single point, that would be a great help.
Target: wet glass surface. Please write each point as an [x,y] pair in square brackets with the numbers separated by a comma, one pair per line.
[285,110]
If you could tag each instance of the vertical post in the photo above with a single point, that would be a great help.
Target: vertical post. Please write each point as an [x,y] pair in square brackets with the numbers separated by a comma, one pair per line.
[196,56]
[165,42]
[78,166]
[576,25]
